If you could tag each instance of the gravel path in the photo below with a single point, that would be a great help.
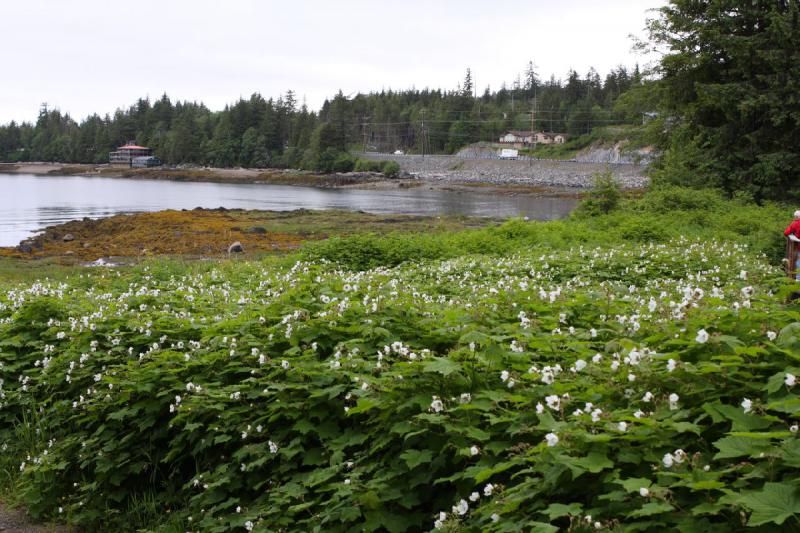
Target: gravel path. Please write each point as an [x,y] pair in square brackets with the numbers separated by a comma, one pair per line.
[15,521]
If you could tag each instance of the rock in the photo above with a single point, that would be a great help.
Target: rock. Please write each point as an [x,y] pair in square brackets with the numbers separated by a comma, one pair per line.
[69,252]
[236,248]
[87,244]
[260,230]
[25,248]
[69,237]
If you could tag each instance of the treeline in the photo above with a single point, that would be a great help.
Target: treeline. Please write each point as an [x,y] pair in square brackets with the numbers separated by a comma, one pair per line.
[727,92]
[259,132]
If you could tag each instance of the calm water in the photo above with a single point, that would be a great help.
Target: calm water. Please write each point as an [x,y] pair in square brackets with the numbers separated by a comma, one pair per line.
[29,203]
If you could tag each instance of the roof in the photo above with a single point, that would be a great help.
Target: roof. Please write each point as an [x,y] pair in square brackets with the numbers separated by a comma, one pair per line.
[518,133]
[133,147]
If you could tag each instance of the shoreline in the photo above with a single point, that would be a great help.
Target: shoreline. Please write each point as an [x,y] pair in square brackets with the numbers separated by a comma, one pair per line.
[300,178]
[208,233]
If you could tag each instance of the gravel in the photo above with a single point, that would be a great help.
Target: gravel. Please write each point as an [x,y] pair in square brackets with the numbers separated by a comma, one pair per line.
[15,521]
[494,171]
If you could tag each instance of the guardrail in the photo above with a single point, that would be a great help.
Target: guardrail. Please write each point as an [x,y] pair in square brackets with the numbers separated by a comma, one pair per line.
[494,157]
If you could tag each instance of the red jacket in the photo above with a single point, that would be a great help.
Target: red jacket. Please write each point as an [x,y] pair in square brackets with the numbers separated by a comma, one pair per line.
[794,228]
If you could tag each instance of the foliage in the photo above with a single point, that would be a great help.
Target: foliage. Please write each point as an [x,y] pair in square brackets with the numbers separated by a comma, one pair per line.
[604,197]
[276,132]
[379,400]
[525,376]
[730,80]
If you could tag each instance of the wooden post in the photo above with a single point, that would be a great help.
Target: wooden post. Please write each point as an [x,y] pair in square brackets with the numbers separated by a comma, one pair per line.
[791,258]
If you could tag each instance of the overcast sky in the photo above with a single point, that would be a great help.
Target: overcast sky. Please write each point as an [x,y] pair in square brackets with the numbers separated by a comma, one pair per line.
[85,56]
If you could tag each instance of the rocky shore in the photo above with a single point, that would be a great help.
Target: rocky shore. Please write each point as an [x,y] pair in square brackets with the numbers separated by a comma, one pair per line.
[435,171]
[538,173]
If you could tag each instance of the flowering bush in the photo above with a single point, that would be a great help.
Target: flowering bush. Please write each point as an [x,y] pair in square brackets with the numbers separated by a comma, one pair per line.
[635,387]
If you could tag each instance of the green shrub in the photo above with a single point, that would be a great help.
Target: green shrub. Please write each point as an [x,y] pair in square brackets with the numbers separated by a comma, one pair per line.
[368,165]
[604,196]
[673,198]
[390,169]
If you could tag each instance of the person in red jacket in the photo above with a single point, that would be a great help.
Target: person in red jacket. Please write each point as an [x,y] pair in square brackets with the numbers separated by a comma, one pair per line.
[793,233]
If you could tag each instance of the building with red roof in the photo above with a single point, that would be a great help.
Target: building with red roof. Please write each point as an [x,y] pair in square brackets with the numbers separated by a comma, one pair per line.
[126,155]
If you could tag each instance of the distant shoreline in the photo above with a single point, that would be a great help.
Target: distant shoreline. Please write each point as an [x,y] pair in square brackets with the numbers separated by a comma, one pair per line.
[351,180]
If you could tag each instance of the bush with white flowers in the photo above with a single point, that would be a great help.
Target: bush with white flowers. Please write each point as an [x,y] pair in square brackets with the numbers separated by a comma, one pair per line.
[639,386]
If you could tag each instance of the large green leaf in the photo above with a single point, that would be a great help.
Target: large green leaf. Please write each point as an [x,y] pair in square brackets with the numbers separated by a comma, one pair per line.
[774,503]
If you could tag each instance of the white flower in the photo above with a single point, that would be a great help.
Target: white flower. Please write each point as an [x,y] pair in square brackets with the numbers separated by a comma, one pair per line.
[347,481]
[793,428]
[747,405]
[474,497]
[437,405]
[673,401]
[647,396]
[238,509]
[580,364]
[488,489]
[622,426]
[539,408]
[771,335]
[702,336]
[465,398]
[596,358]
[285,364]
[631,377]
[668,460]
[596,415]
[639,413]
[248,525]
[790,380]
[644,492]
[273,448]
[495,517]
[671,365]
[462,507]
[593,333]
[552,439]
[473,450]
[615,366]
[504,375]
[679,455]
[553,401]
[511,383]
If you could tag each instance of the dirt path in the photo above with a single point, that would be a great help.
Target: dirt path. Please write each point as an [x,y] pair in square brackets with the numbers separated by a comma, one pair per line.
[15,521]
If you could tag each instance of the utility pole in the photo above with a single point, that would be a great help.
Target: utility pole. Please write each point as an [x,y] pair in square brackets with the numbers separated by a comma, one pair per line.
[364,132]
[423,134]
[533,122]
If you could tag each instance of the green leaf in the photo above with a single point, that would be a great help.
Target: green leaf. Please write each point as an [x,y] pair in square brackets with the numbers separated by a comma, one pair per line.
[557,510]
[635,483]
[541,527]
[652,508]
[730,447]
[774,503]
[595,462]
[363,405]
[414,458]
[442,365]
[791,453]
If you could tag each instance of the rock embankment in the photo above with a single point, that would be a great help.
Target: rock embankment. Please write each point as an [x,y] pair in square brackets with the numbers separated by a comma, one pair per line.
[494,171]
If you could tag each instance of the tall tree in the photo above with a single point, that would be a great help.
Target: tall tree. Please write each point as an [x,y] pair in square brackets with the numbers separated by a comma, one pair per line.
[731,87]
